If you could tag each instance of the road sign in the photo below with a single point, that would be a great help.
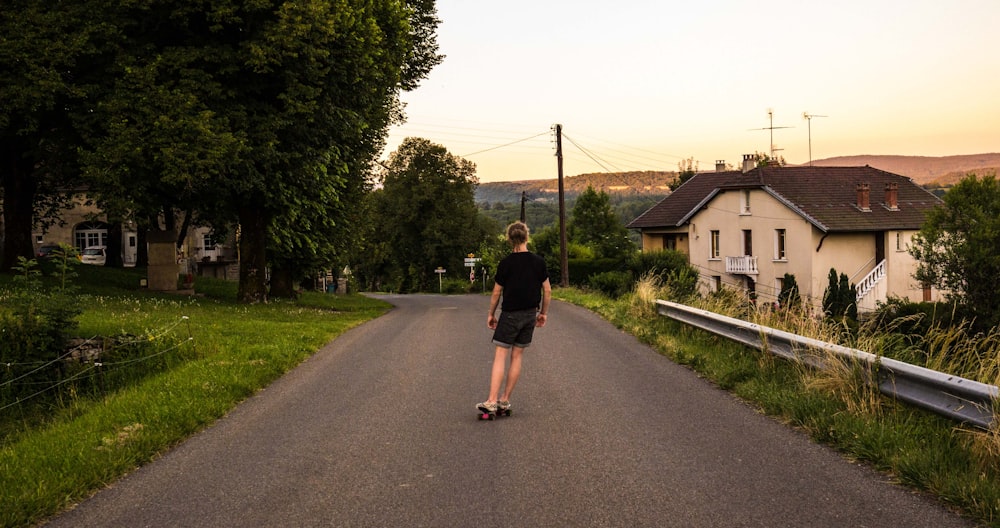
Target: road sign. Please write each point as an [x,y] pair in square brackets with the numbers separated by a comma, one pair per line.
[471,262]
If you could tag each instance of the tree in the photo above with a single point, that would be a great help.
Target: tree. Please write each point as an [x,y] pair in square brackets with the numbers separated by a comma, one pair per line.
[958,247]
[789,297]
[764,159]
[264,114]
[686,169]
[51,57]
[840,297]
[427,213]
[595,224]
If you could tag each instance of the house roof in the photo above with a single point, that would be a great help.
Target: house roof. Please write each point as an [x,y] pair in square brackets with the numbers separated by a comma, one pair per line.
[827,197]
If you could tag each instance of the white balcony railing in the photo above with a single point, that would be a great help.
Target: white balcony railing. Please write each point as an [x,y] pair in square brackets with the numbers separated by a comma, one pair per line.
[743,265]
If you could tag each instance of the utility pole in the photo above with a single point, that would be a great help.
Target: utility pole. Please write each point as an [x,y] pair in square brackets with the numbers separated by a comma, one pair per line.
[523,198]
[563,254]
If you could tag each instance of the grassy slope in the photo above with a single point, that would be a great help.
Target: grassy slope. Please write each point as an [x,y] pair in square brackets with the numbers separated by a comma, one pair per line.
[918,449]
[236,350]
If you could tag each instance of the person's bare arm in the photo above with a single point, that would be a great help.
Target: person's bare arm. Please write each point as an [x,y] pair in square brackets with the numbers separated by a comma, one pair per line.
[543,313]
[491,319]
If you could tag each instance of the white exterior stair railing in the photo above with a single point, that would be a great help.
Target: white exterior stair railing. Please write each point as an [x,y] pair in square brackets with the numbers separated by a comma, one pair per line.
[868,283]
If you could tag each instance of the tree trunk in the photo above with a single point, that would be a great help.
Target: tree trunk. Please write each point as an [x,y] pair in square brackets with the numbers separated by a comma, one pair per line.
[141,249]
[114,249]
[19,190]
[253,255]
[282,283]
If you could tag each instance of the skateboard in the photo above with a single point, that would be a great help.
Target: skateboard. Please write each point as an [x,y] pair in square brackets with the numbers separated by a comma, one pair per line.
[486,414]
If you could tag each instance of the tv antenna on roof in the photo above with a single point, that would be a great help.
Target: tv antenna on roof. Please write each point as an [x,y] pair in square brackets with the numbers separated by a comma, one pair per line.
[771,127]
[809,117]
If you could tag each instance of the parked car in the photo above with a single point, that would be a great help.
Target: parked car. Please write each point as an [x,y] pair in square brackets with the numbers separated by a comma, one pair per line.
[94,255]
[46,251]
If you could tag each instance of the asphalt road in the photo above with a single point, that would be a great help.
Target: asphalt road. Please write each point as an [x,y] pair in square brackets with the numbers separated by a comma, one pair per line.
[379,429]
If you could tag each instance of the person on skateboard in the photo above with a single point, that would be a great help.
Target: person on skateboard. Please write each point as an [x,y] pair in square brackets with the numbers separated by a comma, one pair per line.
[522,281]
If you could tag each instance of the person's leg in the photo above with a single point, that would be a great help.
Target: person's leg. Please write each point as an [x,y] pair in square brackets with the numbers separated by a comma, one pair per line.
[496,377]
[513,372]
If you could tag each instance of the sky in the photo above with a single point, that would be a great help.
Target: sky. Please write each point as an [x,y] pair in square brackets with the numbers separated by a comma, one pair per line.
[643,85]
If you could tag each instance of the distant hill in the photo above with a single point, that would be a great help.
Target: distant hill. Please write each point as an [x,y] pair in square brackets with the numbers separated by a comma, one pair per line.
[644,183]
[922,169]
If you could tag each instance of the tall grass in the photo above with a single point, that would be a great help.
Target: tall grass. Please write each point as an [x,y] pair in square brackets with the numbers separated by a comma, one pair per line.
[838,406]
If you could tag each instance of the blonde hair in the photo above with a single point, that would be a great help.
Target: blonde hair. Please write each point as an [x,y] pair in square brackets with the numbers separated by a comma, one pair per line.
[517,233]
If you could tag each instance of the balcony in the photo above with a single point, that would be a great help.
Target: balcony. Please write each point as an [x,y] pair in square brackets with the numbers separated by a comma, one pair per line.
[742,265]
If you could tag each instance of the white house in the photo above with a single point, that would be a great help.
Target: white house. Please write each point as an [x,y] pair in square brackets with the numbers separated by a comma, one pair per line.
[749,228]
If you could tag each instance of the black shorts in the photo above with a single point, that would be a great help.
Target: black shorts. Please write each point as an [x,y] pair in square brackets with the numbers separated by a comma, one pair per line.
[515,328]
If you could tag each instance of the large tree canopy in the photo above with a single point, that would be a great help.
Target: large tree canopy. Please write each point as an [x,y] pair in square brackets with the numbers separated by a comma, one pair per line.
[263,113]
[51,62]
[958,248]
[595,224]
[426,214]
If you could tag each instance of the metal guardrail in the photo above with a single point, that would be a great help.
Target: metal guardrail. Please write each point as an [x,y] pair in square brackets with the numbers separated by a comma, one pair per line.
[958,398]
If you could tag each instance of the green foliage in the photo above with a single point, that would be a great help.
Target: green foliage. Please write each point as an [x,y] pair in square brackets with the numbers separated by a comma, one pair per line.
[267,114]
[580,270]
[235,351]
[425,216]
[614,284]
[789,297]
[659,263]
[35,325]
[840,297]
[595,225]
[457,286]
[958,248]
[686,169]
[492,250]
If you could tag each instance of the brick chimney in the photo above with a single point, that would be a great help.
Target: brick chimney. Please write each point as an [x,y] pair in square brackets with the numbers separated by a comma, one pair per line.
[892,196]
[864,197]
[749,162]
[720,165]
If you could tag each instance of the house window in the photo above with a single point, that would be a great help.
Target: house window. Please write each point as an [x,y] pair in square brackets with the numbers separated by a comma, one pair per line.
[670,242]
[779,245]
[900,241]
[745,202]
[90,234]
[207,242]
[713,251]
[717,282]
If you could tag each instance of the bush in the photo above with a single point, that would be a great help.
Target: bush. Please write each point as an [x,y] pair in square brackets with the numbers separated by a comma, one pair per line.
[657,263]
[34,328]
[457,286]
[614,284]
[581,270]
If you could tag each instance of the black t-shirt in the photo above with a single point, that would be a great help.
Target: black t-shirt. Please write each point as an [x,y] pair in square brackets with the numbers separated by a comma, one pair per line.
[521,275]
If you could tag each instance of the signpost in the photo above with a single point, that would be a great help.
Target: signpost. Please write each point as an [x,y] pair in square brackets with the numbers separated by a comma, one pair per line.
[440,271]
[470,262]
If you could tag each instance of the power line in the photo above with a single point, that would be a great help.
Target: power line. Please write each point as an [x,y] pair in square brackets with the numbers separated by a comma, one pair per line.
[506,144]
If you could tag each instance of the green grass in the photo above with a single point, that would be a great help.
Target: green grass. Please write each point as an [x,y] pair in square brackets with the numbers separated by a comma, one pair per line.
[58,453]
[918,449]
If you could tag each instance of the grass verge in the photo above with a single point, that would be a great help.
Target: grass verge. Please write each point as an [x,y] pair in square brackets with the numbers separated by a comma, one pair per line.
[87,441]
[926,452]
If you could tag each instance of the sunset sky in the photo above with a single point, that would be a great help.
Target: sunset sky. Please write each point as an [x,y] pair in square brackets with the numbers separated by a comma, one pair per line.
[641,85]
